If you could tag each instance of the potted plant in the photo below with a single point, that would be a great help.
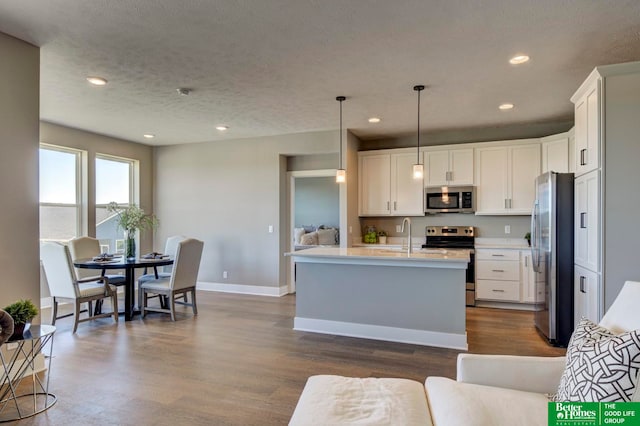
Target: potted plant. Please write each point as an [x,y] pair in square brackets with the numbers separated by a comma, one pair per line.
[131,219]
[22,312]
[382,237]
[527,237]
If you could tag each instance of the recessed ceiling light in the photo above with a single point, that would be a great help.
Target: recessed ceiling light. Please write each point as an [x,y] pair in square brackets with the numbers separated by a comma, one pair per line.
[149,135]
[505,107]
[374,120]
[222,128]
[97,81]
[519,59]
[183,91]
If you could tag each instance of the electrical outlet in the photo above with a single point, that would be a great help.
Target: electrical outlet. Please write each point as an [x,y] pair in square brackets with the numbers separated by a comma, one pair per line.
[507,229]
[271,229]
[225,274]
[398,228]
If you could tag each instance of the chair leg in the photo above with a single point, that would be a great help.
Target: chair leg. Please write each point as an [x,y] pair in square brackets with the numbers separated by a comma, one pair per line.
[76,316]
[54,311]
[172,300]
[114,303]
[193,301]
[143,302]
[90,308]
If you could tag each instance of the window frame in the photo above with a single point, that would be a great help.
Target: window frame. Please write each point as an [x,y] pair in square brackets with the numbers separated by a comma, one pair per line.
[79,186]
[132,166]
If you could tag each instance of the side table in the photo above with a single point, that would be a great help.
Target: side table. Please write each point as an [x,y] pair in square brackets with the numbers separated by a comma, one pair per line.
[19,366]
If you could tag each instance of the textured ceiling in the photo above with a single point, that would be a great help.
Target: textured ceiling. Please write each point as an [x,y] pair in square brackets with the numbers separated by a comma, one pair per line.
[266,67]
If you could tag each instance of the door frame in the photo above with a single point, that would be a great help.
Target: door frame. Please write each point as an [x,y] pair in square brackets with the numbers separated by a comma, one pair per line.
[291,190]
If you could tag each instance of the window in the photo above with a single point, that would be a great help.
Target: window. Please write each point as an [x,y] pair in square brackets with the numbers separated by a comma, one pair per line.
[114,183]
[60,217]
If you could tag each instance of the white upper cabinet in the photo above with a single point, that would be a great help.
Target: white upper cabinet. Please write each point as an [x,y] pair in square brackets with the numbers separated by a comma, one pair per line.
[449,167]
[587,128]
[555,153]
[374,184]
[386,185]
[505,178]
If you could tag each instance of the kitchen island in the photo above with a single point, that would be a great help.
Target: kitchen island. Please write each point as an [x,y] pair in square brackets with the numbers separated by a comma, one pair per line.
[383,294]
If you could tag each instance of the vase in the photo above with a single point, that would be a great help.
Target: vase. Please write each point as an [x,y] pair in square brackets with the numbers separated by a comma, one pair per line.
[130,245]
[19,330]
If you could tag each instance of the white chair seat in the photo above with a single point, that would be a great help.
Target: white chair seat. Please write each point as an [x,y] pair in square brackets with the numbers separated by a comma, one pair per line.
[87,290]
[151,277]
[159,284]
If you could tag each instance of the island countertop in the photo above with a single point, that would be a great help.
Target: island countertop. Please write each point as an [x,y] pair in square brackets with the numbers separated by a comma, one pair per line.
[426,258]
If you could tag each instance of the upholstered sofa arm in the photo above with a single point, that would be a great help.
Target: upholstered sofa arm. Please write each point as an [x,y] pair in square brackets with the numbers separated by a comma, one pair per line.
[6,326]
[526,373]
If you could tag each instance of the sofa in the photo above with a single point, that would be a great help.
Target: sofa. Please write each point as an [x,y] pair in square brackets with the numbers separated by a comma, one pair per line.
[488,390]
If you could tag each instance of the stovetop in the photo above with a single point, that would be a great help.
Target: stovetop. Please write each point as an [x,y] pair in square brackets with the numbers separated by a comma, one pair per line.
[450,237]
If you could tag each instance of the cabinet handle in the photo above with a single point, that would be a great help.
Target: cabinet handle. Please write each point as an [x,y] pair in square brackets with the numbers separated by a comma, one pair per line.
[498,270]
[583,157]
[388,206]
[497,291]
[497,255]
[450,175]
[395,205]
[583,220]
[526,262]
[582,280]
[506,203]
[446,176]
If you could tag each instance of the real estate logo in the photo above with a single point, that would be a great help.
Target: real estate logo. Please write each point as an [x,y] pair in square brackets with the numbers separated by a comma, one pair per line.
[594,413]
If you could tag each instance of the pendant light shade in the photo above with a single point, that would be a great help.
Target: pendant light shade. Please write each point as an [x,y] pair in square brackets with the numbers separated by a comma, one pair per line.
[341,174]
[418,168]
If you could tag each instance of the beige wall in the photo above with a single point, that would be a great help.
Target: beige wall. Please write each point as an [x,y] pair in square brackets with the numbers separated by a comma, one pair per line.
[19,116]
[227,194]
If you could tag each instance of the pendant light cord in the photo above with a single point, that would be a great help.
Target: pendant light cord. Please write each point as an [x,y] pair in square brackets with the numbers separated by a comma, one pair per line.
[418,89]
[340,99]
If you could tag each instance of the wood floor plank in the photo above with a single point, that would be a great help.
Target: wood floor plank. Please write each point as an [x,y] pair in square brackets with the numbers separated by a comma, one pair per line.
[239,362]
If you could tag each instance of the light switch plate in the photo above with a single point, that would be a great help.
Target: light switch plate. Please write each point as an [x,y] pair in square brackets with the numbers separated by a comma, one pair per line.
[398,228]
[507,229]
[271,229]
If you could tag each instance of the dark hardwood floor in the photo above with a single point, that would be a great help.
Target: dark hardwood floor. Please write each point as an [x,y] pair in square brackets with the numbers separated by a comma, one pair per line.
[239,362]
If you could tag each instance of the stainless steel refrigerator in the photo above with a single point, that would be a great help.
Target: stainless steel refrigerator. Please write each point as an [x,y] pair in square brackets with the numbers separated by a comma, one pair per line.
[552,256]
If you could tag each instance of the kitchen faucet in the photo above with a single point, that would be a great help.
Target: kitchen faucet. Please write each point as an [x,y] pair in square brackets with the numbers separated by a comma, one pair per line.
[407,220]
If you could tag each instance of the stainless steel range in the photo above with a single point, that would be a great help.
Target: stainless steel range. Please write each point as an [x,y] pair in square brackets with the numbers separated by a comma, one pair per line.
[456,238]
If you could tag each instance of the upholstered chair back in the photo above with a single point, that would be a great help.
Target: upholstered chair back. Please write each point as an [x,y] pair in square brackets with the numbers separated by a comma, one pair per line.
[58,268]
[170,248]
[187,264]
[623,314]
[82,248]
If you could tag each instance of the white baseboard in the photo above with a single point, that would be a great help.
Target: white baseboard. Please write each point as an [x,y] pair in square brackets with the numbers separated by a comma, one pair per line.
[243,289]
[379,332]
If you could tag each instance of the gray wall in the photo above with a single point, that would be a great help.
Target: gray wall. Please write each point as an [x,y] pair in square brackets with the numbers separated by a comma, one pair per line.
[227,193]
[317,201]
[621,179]
[19,121]
[312,162]
[483,134]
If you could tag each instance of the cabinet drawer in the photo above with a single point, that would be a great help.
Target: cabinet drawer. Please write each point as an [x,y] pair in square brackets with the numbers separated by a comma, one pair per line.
[498,290]
[497,270]
[498,255]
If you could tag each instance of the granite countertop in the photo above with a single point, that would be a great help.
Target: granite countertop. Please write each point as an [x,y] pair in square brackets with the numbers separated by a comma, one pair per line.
[393,254]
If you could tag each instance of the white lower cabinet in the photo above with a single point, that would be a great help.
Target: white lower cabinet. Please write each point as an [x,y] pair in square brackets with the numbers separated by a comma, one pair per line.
[498,275]
[586,294]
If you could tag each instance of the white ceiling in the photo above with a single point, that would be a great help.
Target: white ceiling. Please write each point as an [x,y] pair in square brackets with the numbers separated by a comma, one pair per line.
[267,67]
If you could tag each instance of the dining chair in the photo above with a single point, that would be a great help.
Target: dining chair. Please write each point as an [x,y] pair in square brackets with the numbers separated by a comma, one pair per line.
[170,248]
[182,280]
[65,285]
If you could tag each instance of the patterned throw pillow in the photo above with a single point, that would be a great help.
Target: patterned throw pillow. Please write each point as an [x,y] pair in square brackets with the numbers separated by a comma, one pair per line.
[310,239]
[601,366]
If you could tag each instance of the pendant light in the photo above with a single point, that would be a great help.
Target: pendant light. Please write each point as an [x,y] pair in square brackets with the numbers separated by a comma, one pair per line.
[341,174]
[418,169]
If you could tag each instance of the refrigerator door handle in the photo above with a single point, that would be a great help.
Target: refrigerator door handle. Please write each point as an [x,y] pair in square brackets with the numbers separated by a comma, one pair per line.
[535,260]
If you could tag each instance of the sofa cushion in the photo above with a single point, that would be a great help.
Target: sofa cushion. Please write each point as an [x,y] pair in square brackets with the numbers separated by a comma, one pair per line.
[601,366]
[310,239]
[456,403]
[327,236]
[337,400]
[297,234]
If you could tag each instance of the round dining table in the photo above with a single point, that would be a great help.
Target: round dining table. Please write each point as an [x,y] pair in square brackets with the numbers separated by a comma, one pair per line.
[129,265]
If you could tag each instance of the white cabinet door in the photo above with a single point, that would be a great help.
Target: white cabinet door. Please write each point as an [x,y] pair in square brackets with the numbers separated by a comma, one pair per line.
[587,221]
[530,280]
[461,167]
[449,167]
[437,168]
[586,295]
[587,130]
[491,180]
[524,169]
[374,173]
[555,155]
[406,192]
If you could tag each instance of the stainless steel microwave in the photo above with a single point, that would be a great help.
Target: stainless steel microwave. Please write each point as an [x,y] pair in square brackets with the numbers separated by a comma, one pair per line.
[450,199]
